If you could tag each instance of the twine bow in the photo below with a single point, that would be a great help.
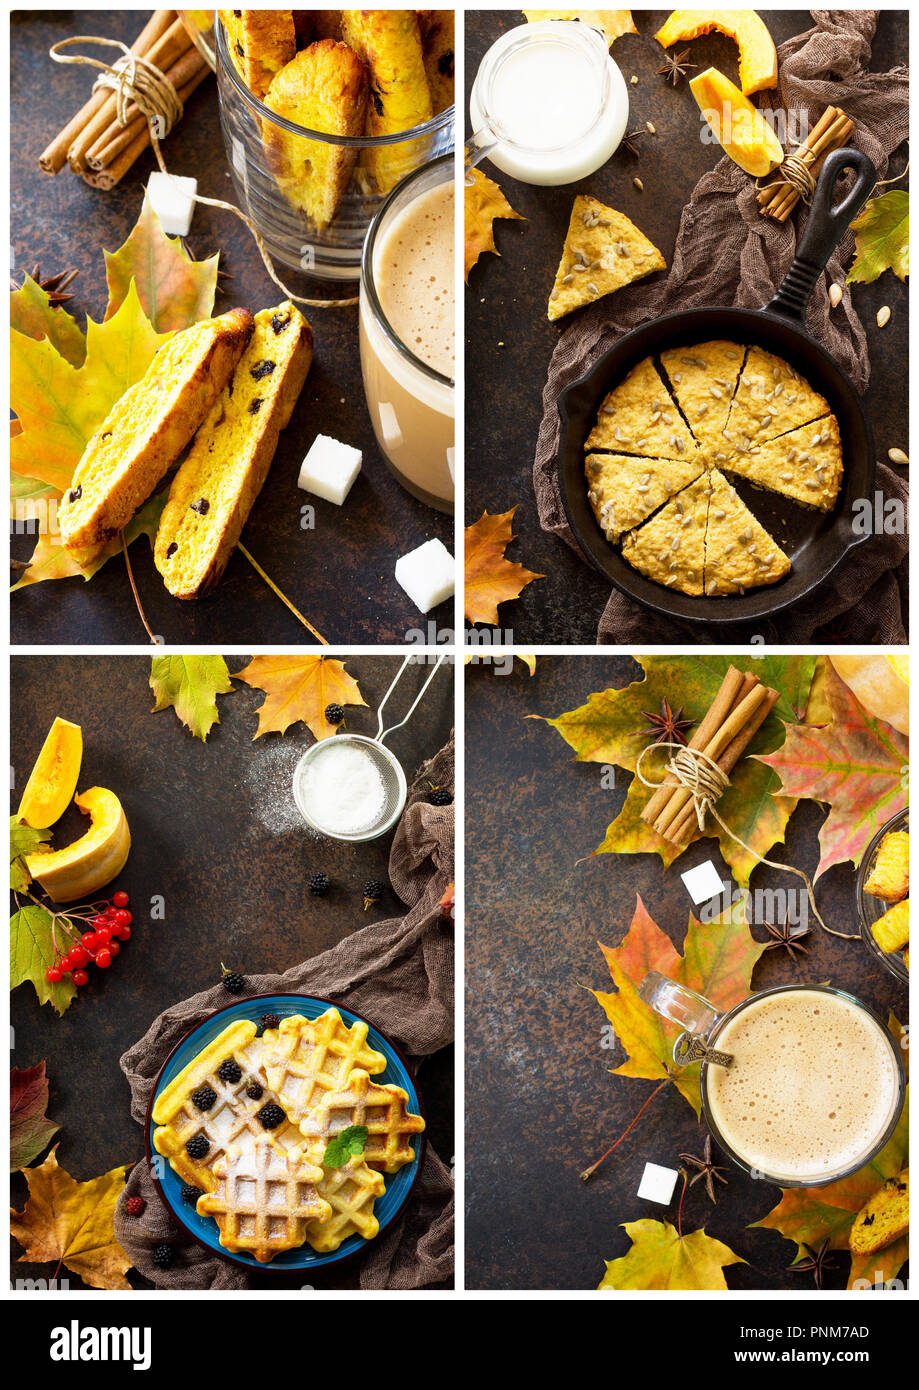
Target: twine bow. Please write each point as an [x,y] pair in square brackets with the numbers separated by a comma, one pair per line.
[793,170]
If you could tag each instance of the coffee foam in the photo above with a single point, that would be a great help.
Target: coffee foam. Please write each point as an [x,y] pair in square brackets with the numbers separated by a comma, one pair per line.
[813,1085]
[413,273]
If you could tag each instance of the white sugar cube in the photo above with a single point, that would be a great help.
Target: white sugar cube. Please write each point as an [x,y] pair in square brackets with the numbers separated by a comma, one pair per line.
[173,200]
[657,1183]
[329,469]
[427,574]
[703,882]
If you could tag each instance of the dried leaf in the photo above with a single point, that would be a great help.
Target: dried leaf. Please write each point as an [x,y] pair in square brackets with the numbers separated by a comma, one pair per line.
[717,962]
[190,684]
[174,290]
[856,764]
[32,936]
[72,1223]
[30,1129]
[483,202]
[612,23]
[660,1258]
[490,578]
[299,688]
[881,238]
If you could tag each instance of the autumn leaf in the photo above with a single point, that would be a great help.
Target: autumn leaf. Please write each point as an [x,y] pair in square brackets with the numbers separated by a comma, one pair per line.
[855,764]
[717,962]
[174,290]
[881,238]
[23,840]
[190,685]
[72,1223]
[31,313]
[299,688]
[483,203]
[33,931]
[661,1258]
[491,579]
[607,730]
[30,1129]
[613,23]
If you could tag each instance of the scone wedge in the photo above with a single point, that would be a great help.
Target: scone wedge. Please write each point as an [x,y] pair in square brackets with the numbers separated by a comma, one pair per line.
[624,491]
[805,464]
[771,399]
[215,489]
[739,552]
[704,378]
[670,548]
[603,251]
[638,417]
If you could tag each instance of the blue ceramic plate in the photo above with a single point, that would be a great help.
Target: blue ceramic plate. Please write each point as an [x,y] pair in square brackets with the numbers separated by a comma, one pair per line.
[204,1228]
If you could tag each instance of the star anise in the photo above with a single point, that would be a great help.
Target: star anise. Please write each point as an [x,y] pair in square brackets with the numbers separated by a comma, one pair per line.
[193,256]
[629,142]
[817,1262]
[787,936]
[53,285]
[705,1169]
[676,67]
[669,726]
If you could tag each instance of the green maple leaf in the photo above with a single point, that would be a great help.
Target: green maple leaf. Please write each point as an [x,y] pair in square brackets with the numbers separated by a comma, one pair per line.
[30,1129]
[661,1258]
[881,238]
[190,685]
[23,840]
[32,937]
[349,1143]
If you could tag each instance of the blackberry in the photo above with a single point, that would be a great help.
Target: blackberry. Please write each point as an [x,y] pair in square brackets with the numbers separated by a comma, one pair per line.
[233,982]
[164,1256]
[441,797]
[373,892]
[197,1146]
[254,1091]
[319,885]
[230,1071]
[271,1116]
[190,1194]
[268,1021]
[134,1206]
[334,714]
[204,1097]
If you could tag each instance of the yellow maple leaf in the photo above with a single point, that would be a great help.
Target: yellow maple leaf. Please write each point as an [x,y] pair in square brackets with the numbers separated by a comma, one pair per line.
[483,202]
[490,579]
[71,1223]
[662,1258]
[613,23]
[299,688]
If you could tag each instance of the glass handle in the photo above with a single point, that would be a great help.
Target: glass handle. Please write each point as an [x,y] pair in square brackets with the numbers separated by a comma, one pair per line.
[695,1015]
[478,147]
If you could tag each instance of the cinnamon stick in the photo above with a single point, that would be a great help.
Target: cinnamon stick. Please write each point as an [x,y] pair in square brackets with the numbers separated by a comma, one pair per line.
[117,137]
[720,708]
[113,173]
[830,133]
[53,159]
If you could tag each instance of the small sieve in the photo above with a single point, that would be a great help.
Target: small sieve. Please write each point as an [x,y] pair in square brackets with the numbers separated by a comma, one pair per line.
[395,787]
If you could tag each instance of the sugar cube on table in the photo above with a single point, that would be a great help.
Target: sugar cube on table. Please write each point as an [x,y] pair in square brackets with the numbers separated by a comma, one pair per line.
[657,1184]
[427,574]
[173,200]
[703,882]
[329,469]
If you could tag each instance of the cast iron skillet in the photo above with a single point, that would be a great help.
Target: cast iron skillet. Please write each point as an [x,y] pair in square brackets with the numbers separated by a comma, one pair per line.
[815,542]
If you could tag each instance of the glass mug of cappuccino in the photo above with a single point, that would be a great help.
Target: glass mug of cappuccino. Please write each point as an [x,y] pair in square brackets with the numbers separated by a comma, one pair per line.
[801,1085]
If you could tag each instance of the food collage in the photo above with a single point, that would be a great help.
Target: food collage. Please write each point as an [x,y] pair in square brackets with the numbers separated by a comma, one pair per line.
[459,801]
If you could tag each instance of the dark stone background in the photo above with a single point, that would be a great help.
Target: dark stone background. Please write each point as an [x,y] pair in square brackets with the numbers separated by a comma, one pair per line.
[507,297]
[215,830]
[340,575]
[540,1102]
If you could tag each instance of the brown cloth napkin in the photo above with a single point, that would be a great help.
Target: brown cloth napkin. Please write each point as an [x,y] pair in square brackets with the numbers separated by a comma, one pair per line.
[399,974]
[727,253]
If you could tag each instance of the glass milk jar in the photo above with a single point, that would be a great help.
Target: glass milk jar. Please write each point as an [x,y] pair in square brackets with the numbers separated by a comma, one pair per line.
[549,105]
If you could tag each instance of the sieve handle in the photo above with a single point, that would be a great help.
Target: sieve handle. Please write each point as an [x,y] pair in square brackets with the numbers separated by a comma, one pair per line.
[382,733]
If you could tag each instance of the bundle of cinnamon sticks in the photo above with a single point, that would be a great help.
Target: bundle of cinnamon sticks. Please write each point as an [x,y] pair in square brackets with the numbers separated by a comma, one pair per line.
[737,711]
[94,143]
[779,198]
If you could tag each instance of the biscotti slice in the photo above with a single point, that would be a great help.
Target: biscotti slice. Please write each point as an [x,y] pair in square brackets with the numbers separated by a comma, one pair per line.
[805,464]
[670,548]
[603,251]
[883,1219]
[260,43]
[704,378]
[739,553]
[143,435]
[771,399]
[214,490]
[638,417]
[323,88]
[891,932]
[624,491]
[889,876]
[437,46]
[389,42]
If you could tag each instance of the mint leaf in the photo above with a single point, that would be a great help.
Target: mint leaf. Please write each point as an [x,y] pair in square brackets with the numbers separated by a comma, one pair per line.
[348,1144]
[23,840]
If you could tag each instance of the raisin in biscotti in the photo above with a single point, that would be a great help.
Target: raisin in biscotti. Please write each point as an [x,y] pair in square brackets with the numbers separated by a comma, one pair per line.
[144,434]
[214,490]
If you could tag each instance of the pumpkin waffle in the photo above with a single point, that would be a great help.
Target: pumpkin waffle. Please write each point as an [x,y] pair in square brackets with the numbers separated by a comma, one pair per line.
[805,464]
[771,399]
[739,552]
[703,379]
[638,417]
[382,1109]
[624,491]
[306,1058]
[670,548]
[264,1198]
[351,1192]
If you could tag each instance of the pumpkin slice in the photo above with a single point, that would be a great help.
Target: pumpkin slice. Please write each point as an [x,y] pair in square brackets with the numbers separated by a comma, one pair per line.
[53,779]
[759,66]
[740,129]
[92,861]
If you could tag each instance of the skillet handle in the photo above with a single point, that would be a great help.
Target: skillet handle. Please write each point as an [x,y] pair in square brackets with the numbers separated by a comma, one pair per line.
[824,229]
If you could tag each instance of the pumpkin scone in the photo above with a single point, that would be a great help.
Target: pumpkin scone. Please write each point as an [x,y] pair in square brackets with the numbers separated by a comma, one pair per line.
[771,399]
[704,378]
[739,552]
[261,42]
[623,491]
[639,417]
[603,251]
[805,464]
[670,548]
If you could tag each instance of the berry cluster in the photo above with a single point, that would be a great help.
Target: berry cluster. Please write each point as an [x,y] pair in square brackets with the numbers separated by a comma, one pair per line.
[109,927]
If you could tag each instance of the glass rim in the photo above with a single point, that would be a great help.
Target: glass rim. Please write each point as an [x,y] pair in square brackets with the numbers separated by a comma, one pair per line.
[367,282]
[352,142]
[872,1151]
